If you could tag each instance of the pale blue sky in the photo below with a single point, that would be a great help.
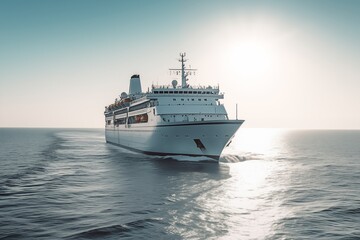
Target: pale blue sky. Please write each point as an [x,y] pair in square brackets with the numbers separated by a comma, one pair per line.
[288,64]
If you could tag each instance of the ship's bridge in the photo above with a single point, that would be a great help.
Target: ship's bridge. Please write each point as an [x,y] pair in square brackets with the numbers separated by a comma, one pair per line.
[169,90]
[185,97]
[178,104]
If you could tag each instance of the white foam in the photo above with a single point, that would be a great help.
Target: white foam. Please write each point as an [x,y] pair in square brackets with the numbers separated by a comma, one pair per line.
[184,158]
[232,158]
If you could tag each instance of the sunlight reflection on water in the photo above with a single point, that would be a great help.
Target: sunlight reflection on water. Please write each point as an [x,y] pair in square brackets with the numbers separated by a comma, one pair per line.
[258,143]
[252,194]
[251,189]
[269,184]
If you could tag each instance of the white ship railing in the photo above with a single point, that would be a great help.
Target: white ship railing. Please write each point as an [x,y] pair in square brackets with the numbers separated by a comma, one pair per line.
[190,87]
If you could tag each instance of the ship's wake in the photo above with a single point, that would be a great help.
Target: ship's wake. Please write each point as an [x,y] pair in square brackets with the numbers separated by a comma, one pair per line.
[184,158]
[234,158]
[228,158]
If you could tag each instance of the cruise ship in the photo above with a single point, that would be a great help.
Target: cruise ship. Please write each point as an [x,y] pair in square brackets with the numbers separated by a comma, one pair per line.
[171,119]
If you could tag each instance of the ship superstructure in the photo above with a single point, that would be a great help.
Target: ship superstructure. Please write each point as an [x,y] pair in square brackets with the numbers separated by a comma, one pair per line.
[170,120]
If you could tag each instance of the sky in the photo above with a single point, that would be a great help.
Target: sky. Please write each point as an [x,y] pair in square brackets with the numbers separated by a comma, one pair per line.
[287,64]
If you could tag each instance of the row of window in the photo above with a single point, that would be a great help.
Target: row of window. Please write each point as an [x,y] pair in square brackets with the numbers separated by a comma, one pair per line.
[139,106]
[141,118]
[120,121]
[121,111]
[213,115]
[182,99]
[184,92]
[134,108]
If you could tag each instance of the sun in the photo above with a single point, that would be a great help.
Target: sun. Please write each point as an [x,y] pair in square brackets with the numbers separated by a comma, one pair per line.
[251,58]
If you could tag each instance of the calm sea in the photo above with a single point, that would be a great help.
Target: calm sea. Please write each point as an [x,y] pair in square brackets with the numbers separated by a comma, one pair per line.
[270,184]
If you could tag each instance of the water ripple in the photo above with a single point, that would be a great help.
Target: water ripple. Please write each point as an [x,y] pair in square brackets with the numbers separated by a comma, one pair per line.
[70,184]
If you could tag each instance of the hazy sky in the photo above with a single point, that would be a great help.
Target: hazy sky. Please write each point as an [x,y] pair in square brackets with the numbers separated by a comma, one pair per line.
[288,64]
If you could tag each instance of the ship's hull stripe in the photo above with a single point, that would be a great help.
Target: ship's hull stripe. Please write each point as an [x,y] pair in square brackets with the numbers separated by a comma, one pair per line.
[188,124]
[162,153]
[199,123]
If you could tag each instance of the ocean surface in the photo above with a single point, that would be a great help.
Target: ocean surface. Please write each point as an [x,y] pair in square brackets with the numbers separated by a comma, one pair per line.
[269,184]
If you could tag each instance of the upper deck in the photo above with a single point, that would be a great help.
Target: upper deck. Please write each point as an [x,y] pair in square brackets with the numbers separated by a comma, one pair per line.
[169,95]
[164,91]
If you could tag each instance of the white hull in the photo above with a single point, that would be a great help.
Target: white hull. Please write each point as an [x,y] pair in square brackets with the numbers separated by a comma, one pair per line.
[170,120]
[206,138]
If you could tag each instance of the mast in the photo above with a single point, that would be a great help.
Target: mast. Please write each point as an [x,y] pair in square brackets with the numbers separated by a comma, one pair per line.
[184,71]
[183,74]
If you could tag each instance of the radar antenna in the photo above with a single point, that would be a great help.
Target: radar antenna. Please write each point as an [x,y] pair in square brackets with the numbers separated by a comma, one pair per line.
[184,71]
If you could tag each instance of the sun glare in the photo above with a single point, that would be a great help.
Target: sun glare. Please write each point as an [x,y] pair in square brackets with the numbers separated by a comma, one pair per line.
[259,143]
[251,58]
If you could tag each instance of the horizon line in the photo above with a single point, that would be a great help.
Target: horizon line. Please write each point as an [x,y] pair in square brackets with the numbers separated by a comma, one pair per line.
[239,129]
